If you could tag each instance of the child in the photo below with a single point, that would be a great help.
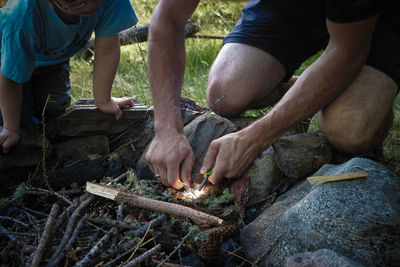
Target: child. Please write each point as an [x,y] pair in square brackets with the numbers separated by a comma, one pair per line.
[38,37]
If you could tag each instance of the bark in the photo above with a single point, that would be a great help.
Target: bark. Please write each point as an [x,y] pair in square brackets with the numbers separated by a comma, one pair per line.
[196,216]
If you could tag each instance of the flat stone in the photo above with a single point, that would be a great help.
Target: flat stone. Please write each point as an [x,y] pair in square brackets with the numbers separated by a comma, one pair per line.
[358,219]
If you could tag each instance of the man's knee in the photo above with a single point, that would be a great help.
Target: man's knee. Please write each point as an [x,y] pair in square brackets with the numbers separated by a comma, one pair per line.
[352,135]
[220,101]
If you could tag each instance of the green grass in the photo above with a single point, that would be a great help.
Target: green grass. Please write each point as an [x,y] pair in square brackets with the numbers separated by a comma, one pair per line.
[214,18]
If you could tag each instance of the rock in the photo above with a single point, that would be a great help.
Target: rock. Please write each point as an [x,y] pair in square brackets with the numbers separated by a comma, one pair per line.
[264,177]
[82,148]
[78,173]
[131,145]
[28,151]
[200,132]
[300,155]
[320,258]
[359,219]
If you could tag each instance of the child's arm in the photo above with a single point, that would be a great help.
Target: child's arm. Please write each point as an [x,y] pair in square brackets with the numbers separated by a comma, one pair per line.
[10,105]
[106,61]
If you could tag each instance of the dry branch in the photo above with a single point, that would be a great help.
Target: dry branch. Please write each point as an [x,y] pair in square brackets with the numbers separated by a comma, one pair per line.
[45,236]
[196,216]
[144,256]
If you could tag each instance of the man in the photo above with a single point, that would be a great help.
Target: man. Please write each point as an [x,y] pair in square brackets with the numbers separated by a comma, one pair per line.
[352,85]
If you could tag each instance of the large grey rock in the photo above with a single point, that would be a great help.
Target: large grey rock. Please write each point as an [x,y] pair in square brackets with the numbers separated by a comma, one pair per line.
[320,258]
[264,175]
[359,218]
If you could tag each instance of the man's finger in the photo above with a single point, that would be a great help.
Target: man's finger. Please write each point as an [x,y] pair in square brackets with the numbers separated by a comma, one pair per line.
[209,159]
[173,176]
[186,169]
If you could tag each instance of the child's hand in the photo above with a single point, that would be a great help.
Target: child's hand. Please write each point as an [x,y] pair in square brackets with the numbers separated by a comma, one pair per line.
[8,139]
[114,105]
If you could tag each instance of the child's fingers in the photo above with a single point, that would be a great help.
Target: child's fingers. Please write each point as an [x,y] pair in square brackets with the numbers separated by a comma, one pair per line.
[123,102]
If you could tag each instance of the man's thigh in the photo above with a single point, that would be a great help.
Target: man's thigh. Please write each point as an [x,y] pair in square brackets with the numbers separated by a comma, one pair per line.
[357,120]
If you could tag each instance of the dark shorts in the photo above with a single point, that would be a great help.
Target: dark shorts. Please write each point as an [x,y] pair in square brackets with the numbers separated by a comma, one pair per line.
[277,28]
[52,81]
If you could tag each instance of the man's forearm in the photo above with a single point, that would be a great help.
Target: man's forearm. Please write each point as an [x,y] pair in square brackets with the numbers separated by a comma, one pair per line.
[166,69]
[166,62]
[10,102]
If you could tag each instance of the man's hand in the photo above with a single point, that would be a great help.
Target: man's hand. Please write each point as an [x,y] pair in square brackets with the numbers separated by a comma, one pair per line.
[172,158]
[8,139]
[114,106]
[230,155]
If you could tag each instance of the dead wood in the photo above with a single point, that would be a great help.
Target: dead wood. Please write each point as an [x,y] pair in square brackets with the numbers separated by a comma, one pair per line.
[138,34]
[177,247]
[70,227]
[114,223]
[37,258]
[196,216]
[90,257]
[70,242]
[144,256]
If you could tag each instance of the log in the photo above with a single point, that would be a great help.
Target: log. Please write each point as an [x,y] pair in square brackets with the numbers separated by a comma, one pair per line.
[133,200]
[85,119]
[136,34]
[337,177]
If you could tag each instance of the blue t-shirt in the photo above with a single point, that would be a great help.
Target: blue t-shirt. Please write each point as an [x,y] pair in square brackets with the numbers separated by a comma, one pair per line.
[33,35]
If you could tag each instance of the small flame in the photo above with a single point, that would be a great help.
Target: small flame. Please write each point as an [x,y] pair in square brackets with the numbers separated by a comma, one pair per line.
[192,193]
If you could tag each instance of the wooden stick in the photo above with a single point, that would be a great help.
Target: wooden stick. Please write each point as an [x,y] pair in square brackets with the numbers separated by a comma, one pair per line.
[145,256]
[44,240]
[196,216]
[336,177]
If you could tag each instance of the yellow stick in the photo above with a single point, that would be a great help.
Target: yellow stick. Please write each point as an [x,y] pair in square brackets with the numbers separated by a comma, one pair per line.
[337,177]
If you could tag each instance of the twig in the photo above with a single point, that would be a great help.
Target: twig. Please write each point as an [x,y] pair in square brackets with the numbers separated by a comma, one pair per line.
[140,242]
[14,220]
[46,178]
[177,247]
[44,191]
[4,231]
[117,179]
[70,241]
[167,264]
[144,256]
[114,223]
[111,263]
[87,260]
[37,258]
[196,216]
[75,215]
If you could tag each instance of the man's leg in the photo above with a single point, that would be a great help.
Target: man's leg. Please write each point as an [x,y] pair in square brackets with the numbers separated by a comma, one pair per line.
[358,120]
[243,77]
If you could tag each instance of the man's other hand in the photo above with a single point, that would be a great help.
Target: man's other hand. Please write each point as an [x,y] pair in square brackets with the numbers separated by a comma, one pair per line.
[172,159]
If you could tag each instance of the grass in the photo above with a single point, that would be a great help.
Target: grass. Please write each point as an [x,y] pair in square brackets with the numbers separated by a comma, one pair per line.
[214,18]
